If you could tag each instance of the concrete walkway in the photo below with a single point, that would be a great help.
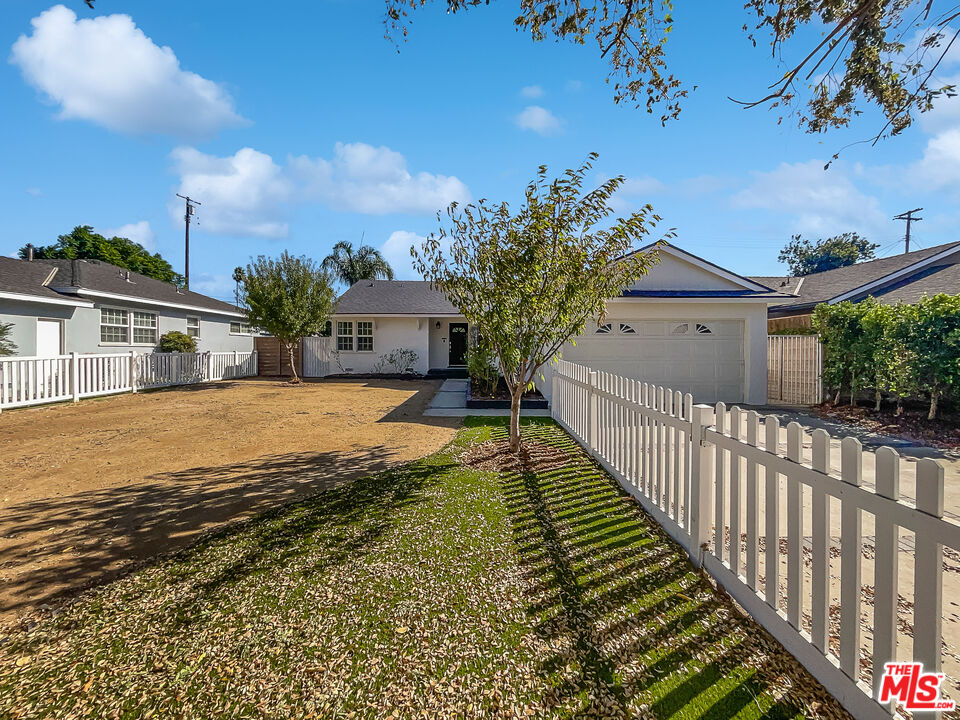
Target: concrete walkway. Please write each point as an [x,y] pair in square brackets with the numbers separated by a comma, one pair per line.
[451,401]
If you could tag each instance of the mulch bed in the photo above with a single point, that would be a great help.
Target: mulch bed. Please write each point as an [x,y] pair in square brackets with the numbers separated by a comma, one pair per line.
[495,456]
[480,391]
[912,425]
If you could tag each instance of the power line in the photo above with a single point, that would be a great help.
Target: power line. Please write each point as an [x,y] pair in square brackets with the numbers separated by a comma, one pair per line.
[908,216]
[188,213]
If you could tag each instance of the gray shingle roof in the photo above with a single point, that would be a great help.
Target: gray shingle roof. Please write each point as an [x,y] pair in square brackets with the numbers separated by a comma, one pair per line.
[24,278]
[394,297]
[824,286]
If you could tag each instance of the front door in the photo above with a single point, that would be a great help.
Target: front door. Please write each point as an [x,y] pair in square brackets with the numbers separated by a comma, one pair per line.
[458,344]
[48,338]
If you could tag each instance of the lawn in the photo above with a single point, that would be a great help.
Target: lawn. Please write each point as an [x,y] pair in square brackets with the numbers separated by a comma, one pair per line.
[430,590]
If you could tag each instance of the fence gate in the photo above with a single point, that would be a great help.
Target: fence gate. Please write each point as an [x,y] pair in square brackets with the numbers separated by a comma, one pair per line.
[316,356]
[794,369]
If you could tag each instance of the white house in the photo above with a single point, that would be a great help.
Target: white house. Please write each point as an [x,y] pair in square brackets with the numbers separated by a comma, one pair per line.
[688,324]
[88,306]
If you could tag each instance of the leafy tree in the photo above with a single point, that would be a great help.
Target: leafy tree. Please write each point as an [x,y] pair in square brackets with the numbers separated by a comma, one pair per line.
[176,341]
[860,55]
[893,361]
[805,258]
[348,265]
[932,336]
[848,355]
[289,297]
[529,282]
[82,243]
[7,346]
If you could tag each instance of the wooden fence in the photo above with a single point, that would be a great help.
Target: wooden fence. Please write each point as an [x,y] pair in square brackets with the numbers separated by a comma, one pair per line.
[755,510]
[36,381]
[794,369]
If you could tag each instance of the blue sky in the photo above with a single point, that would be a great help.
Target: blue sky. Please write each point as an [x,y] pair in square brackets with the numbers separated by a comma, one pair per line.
[297,125]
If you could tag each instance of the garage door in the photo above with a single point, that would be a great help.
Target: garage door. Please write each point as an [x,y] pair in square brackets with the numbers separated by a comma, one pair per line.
[702,357]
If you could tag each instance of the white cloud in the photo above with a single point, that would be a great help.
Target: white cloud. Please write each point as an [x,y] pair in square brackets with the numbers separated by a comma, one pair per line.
[107,71]
[819,202]
[215,285]
[641,185]
[374,181]
[939,168]
[538,119]
[248,193]
[139,232]
[244,194]
[34,192]
[396,251]
[573,86]
[532,91]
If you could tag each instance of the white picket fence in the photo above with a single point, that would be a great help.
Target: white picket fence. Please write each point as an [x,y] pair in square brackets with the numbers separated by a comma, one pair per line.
[36,381]
[720,483]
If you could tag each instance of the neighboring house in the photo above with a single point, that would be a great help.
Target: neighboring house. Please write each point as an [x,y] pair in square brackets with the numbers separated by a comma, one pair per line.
[688,324]
[88,306]
[900,278]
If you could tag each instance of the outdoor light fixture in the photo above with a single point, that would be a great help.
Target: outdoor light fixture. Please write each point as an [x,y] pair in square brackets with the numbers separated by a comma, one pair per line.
[438,324]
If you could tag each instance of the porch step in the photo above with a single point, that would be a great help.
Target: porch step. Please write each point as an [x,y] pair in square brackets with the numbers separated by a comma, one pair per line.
[448,373]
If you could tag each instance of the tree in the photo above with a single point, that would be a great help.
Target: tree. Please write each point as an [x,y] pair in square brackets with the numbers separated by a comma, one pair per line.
[289,297]
[7,346]
[529,282]
[82,243]
[348,265]
[805,258]
[848,356]
[238,281]
[932,337]
[861,53]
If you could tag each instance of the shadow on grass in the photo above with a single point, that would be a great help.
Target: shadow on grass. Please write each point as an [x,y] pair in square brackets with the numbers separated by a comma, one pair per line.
[631,625]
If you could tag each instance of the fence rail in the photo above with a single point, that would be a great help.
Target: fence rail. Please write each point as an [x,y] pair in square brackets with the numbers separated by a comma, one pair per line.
[26,381]
[793,543]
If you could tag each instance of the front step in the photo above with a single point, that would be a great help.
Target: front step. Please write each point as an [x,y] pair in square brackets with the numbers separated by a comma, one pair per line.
[448,373]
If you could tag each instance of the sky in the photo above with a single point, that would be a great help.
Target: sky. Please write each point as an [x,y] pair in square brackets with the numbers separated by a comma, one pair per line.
[298,124]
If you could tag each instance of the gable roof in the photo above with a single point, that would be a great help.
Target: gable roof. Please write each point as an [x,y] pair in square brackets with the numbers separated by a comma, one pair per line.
[904,277]
[21,280]
[394,297]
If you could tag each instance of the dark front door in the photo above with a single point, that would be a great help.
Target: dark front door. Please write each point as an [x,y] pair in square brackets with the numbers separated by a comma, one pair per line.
[458,343]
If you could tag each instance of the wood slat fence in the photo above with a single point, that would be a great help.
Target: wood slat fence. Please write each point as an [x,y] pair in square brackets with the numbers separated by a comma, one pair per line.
[756,511]
[36,381]
[794,369]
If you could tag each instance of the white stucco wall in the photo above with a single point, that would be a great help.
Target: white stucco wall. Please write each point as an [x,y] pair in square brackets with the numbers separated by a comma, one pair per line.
[440,341]
[389,333]
[81,327]
[675,273]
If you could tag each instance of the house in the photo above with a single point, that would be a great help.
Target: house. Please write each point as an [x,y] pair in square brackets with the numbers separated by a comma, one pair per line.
[900,278]
[89,306]
[688,324]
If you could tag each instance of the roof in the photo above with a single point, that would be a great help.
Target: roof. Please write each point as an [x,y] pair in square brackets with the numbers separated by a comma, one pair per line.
[74,280]
[394,297]
[921,272]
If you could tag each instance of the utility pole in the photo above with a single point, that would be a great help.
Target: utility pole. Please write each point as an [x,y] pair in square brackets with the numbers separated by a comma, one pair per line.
[189,211]
[908,216]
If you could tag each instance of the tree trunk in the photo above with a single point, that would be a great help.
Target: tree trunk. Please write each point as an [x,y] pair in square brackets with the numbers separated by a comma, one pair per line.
[516,395]
[934,396]
[876,405]
[294,378]
[899,411]
[836,398]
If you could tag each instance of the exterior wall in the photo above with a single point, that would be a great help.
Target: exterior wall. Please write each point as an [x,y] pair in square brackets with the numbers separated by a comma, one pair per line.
[389,333]
[81,332]
[752,315]
[672,273]
[440,341]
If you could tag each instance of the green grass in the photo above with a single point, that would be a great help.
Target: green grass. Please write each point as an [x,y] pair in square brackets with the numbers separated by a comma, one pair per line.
[431,590]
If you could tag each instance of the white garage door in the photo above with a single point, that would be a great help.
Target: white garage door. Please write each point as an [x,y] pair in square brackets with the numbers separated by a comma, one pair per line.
[702,357]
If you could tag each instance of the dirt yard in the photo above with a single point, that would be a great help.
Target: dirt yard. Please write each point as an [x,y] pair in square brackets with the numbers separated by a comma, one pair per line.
[88,489]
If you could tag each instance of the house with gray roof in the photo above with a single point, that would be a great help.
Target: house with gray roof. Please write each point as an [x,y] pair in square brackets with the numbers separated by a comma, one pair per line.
[89,306]
[899,278]
[688,324]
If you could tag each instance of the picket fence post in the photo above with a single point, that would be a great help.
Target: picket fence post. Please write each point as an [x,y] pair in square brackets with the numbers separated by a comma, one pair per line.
[133,371]
[75,376]
[593,413]
[207,370]
[701,481]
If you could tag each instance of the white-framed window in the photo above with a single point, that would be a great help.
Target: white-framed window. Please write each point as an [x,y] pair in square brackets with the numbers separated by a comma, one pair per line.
[144,328]
[239,328]
[604,329]
[703,329]
[345,335]
[626,329]
[114,326]
[364,336]
[680,329]
[193,326]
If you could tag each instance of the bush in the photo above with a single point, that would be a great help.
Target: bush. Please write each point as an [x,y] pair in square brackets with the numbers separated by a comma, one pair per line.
[6,344]
[482,368]
[401,360]
[175,341]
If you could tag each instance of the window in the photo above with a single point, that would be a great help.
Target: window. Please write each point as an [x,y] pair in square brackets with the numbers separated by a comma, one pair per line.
[604,329]
[703,329]
[193,326]
[345,335]
[365,336]
[144,328]
[239,328]
[113,326]
[680,329]
[627,329]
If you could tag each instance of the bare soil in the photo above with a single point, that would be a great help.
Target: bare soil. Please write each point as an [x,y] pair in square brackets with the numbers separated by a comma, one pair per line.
[496,456]
[88,490]
[912,424]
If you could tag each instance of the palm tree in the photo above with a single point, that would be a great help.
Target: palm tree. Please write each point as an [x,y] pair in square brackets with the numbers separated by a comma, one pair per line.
[348,265]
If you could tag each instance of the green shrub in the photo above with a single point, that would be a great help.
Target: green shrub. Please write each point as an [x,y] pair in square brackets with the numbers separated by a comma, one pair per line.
[402,360]
[6,344]
[482,367]
[176,341]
